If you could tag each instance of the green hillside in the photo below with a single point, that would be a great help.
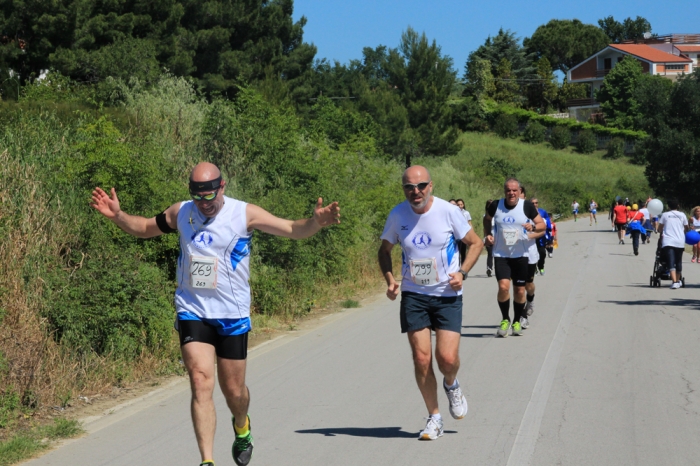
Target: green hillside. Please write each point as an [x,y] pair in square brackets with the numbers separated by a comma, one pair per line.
[556,177]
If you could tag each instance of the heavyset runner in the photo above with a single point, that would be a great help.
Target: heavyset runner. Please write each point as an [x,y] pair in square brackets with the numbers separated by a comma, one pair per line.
[439,249]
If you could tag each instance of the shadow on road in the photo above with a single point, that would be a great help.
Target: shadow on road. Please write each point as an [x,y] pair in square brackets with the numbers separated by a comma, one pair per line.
[479,335]
[373,432]
[480,326]
[691,303]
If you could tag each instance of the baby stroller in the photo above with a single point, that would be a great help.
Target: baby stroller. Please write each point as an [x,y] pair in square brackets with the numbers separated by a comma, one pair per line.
[661,271]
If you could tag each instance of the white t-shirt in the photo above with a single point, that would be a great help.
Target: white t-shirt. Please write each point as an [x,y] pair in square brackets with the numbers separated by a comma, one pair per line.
[696,224]
[213,268]
[645,212]
[467,216]
[574,206]
[592,206]
[429,245]
[674,233]
[510,237]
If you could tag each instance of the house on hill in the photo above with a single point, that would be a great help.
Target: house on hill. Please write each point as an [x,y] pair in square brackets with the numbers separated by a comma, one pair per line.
[668,56]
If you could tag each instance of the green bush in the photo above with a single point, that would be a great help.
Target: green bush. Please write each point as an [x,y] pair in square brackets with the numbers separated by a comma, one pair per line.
[616,148]
[506,126]
[523,115]
[560,137]
[587,141]
[534,133]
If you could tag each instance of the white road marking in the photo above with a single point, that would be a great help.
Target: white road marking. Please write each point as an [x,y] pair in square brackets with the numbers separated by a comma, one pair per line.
[526,438]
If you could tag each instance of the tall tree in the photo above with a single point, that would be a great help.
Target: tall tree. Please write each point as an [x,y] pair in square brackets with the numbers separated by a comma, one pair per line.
[507,88]
[617,95]
[221,43]
[672,151]
[566,42]
[423,79]
[542,92]
[478,79]
[506,45]
[629,29]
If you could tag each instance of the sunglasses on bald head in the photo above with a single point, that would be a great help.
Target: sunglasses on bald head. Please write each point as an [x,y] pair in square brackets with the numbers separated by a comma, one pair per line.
[421,186]
[204,197]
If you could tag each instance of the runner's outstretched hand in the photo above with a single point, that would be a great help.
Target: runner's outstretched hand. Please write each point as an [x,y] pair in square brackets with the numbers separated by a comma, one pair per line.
[328,215]
[106,205]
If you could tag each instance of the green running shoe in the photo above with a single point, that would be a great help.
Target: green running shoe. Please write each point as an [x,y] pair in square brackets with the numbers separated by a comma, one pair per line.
[503,329]
[242,449]
[517,329]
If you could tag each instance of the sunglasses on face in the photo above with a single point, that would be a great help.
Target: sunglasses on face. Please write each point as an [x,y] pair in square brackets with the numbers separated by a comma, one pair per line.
[204,197]
[420,186]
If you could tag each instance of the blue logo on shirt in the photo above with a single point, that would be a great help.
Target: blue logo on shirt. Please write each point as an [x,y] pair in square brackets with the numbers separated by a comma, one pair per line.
[202,240]
[422,240]
[508,220]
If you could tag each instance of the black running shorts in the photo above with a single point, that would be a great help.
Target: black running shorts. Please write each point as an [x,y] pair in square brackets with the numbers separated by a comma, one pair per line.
[227,346]
[531,269]
[419,311]
[620,226]
[514,269]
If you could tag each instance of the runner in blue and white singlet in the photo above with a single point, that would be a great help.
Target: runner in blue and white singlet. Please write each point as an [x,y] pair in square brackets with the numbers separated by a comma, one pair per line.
[213,294]
[213,268]
[506,227]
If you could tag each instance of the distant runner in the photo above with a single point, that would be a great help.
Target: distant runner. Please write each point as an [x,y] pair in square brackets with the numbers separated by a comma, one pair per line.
[593,209]
[695,216]
[533,259]
[620,219]
[213,295]
[510,218]
[428,229]
[574,209]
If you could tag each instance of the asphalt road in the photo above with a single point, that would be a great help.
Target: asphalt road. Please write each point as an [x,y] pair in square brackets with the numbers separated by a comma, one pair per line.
[607,374]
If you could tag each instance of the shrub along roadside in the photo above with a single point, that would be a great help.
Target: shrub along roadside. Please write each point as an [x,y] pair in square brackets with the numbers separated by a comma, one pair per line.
[524,116]
[91,305]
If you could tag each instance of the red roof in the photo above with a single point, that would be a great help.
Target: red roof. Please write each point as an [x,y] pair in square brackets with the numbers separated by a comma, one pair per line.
[650,53]
[688,48]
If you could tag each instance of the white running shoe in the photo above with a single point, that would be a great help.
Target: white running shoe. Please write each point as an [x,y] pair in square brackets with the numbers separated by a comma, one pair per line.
[458,403]
[524,323]
[433,430]
[529,308]
[676,285]
[549,254]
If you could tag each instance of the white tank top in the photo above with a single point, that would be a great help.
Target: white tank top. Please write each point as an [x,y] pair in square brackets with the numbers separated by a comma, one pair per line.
[696,224]
[510,238]
[213,267]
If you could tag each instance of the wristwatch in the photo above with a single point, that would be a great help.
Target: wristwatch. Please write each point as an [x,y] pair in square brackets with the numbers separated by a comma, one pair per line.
[464,274]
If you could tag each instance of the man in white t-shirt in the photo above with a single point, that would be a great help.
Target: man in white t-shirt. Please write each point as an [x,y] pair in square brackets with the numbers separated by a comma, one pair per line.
[428,230]
[673,225]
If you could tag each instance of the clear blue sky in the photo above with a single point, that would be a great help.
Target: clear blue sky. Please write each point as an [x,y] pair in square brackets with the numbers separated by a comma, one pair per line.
[340,29]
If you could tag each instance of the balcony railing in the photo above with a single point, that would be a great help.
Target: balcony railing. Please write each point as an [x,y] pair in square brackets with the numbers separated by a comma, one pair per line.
[581,103]
[601,73]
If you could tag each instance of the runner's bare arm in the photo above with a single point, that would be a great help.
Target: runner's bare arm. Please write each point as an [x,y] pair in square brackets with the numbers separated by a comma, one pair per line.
[260,219]
[384,257]
[141,227]
[475,245]
[539,230]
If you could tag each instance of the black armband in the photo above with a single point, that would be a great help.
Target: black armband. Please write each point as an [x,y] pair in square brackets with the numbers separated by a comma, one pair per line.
[163,224]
